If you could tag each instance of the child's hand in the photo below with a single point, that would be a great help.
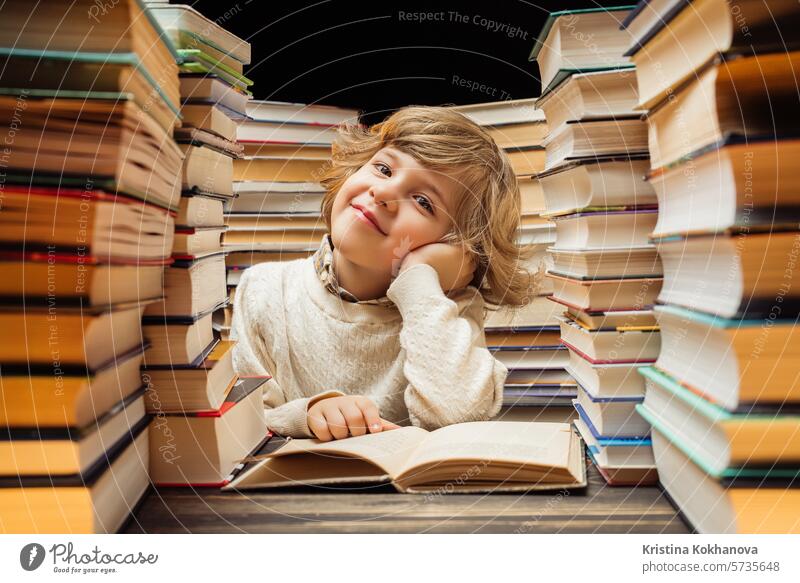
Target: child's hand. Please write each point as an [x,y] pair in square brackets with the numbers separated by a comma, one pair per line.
[340,417]
[455,266]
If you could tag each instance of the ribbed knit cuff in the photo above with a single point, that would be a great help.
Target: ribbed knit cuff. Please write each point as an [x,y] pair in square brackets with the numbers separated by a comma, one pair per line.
[421,280]
[291,423]
[292,418]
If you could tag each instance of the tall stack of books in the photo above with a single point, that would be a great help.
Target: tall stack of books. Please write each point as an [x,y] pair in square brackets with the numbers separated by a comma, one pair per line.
[538,386]
[527,340]
[606,274]
[276,213]
[723,397]
[88,102]
[206,417]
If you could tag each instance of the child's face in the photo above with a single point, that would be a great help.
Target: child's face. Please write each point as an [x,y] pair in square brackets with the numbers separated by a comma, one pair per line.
[409,204]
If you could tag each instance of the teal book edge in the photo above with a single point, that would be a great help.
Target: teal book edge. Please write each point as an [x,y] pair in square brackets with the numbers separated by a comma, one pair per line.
[715,414]
[709,319]
[67,94]
[159,31]
[93,57]
[706,408]
[727,473]
[551,19]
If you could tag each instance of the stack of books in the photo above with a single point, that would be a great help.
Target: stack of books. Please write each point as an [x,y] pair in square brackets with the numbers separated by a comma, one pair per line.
[538,386]
[276,215]
[723,397]
[206,417]
[519,128]
[276,212]
[214,96]
[606,273]
[90,190]
[527,340]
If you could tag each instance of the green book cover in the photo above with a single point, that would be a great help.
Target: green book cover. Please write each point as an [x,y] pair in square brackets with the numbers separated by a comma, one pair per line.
[190,40]
[551,19]
[210,65]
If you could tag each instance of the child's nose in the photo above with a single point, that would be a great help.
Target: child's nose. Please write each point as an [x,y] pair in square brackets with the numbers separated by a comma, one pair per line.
[386,196]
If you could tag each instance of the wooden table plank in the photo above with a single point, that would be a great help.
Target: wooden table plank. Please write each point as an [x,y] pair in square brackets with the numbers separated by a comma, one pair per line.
[599,508]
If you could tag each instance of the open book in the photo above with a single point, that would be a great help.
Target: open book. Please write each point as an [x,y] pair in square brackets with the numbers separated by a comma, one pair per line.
[490,456]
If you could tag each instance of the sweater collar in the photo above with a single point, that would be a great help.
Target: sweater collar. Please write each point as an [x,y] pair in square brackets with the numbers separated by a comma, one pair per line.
[323,265]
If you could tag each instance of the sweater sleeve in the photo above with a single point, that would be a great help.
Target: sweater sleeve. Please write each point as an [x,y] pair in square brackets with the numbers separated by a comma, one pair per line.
[289,418]
[452,377]
[251,356]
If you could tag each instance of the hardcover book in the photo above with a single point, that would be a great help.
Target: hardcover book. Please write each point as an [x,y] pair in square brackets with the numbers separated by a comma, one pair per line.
[508,457]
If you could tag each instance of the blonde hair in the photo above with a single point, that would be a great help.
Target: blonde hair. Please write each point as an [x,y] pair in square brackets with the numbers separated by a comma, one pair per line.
[486,217]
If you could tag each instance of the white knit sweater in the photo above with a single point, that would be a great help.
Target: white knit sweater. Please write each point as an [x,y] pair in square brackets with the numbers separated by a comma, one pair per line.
[422,361]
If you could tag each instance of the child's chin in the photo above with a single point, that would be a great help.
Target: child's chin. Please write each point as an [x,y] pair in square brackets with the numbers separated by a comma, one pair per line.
[361,253]
[350,236]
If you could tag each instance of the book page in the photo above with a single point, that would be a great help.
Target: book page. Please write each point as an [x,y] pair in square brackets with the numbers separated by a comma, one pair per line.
[389,450]
[541,444]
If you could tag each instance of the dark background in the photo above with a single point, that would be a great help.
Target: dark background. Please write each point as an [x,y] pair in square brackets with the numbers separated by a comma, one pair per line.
[369,56]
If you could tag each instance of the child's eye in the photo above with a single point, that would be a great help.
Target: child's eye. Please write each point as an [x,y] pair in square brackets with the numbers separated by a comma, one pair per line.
[383,169]
[424,203]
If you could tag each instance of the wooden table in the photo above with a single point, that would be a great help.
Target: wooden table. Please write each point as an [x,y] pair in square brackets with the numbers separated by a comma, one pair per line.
[598,508]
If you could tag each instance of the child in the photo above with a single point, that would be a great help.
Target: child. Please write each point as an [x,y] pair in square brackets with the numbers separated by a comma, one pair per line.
[384,324]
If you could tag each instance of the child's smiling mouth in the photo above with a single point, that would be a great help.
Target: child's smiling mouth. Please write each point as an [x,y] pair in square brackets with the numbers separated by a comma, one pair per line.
[367,217]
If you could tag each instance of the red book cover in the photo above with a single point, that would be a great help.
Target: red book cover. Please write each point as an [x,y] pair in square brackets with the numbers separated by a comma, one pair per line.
[593,361]
[76,259]
[244,387]
[90,194]
[596,311]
